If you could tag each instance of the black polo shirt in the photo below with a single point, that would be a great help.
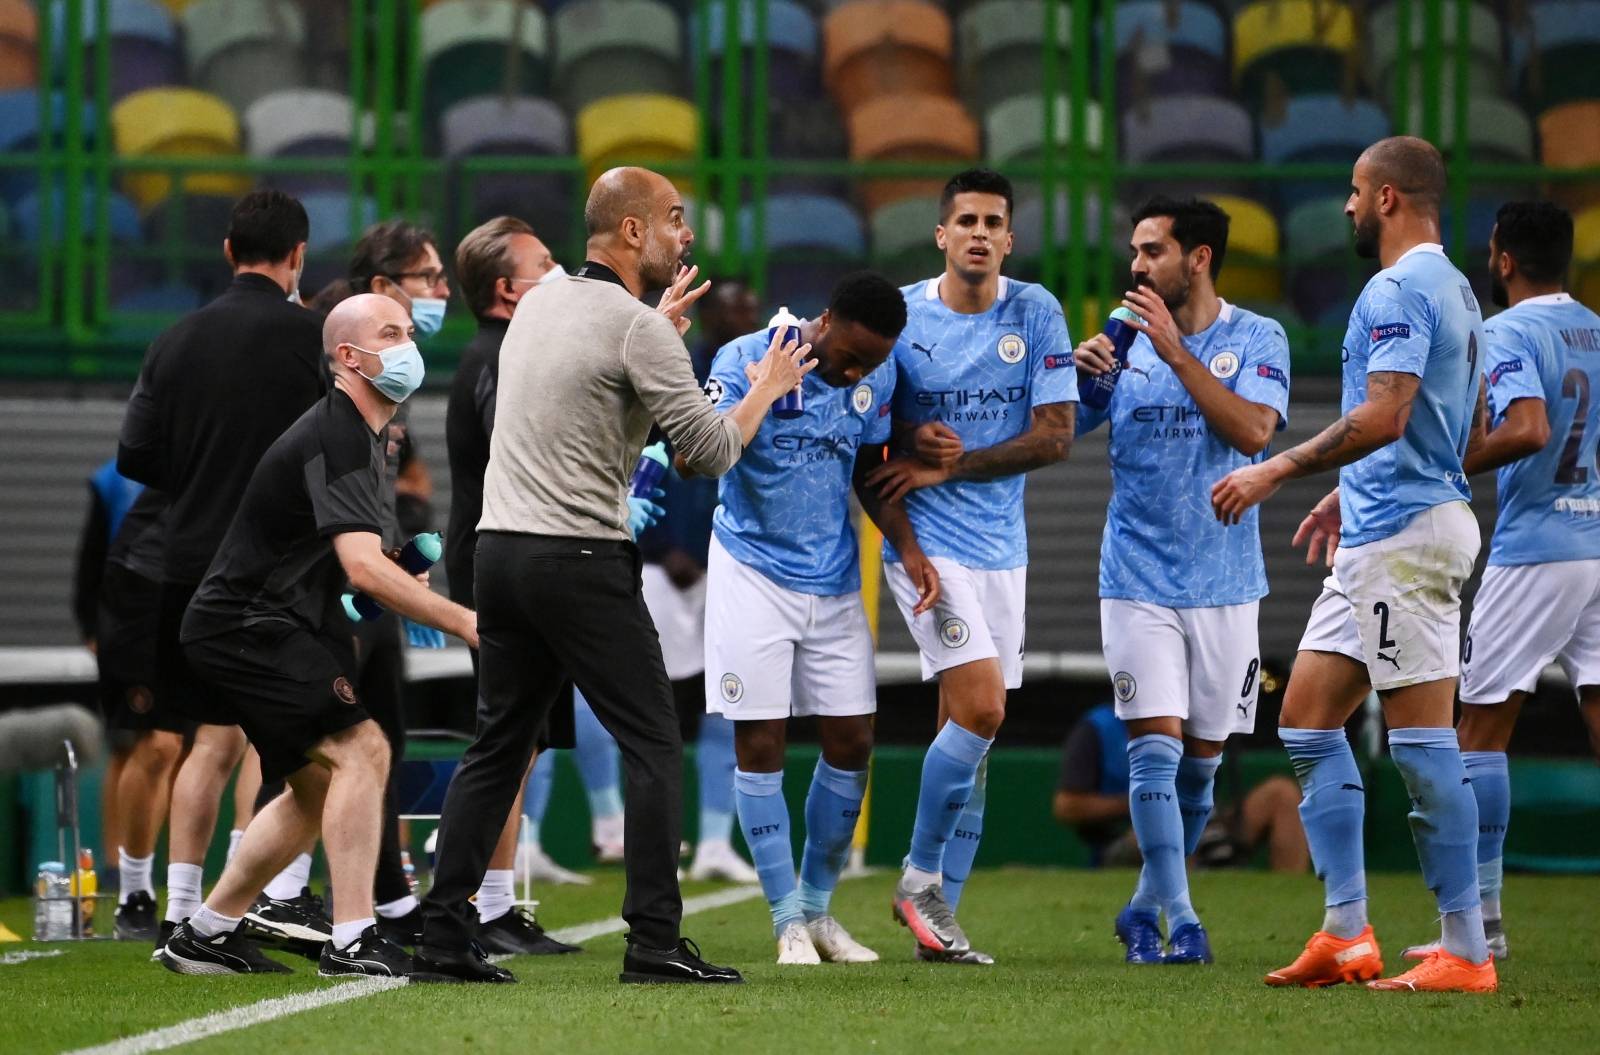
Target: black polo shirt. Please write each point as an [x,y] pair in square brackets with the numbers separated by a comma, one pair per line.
[468,424]
[276,564]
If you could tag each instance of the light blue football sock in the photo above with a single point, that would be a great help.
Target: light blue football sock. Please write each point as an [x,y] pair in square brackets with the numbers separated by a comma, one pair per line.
[948,773]
[1158,824]
[714,764]
[1197,778]
[962,849]
[1333,805]
[1444,825]
[832,808]
[536,795]
[1491,786]
[597,758]
[765,819]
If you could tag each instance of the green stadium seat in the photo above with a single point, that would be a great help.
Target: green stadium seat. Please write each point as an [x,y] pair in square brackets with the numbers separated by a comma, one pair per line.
[1000,52]
[1304,45]
[929,128]
[874,48]
[617,47]
[1252,270]
[472,48]
[1014,130]
[1498,130]
[1569,137]
[1323,272]
[1555,816]
[902,239]
[19,45]
[1486,63]
[181,122]
[241,50]
[637,129]
[1554,61]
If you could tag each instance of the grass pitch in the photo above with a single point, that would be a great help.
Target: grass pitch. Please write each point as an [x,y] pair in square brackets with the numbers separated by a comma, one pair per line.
[1059,985]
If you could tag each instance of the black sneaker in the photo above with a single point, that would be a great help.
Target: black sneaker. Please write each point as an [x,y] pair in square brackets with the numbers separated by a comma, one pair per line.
[230,953]
[682,963]
[371,954]
[136,918]
[518,933]
[295,925]
[402,930]
[471,964]
[163,935]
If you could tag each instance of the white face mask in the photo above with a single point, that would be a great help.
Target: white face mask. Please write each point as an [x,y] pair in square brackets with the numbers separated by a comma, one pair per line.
[556,271]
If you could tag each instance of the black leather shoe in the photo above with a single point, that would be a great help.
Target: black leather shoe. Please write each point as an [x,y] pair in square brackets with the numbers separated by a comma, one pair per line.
[519,934]
[681,964]
[429,964]
[402,930]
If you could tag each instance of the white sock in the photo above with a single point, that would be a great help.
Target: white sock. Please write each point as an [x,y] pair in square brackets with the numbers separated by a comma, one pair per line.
[916,878]
[183,891]
[1346,920]
[495,895]
[607,831]
[400,907]
[208,924]
[136,873]
[288,883]
[233,841]
[1491,905]
[345,933]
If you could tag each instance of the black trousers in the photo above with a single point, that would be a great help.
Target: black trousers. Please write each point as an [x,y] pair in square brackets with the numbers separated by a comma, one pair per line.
[550,608]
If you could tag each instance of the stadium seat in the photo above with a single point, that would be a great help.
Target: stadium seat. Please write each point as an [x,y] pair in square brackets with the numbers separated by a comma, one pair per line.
[792,38]
[1170,48]
[1014,130]
[301,123]
[928,128]
[1000,51]
[243,49]
[1303,44]
[1498,130]
[876,48]
[19,43]
[1383,45]
[1323,272]
[19,134]
[1554,61]
[472,48]
[1028,227]
[1586,255]
[1569,137]
[705,218]
[810,242]
[902,240]
[1312,128]
[145,52]
[336,223]
[1252,269]
[625,129]
[1187,128]
[127,271]
[184,235]
[180,122]
[493,125]
[617,47]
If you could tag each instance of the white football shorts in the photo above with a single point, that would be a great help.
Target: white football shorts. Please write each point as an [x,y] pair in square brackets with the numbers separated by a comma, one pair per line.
[1526,616]
[1202,665]
[979,615]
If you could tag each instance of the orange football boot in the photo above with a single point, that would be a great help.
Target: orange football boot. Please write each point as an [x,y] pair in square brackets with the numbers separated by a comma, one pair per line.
[1330,961]
[1443,972]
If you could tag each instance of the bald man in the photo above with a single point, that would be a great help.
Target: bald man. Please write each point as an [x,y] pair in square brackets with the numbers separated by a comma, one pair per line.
[1389,617]
[267,630]
[585,369]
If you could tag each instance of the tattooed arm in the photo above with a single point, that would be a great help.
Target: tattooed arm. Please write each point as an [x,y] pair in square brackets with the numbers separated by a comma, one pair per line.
[1374,424]
[1047,441]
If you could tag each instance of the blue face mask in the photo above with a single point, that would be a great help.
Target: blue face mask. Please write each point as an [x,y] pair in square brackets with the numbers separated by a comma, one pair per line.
[427,314]
[402,371]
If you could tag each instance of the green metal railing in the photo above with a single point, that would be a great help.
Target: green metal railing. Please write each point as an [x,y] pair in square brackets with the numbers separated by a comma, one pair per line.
[69,327]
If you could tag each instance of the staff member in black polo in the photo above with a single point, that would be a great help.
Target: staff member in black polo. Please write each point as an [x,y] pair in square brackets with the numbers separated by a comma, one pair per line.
[585,368]
[215,390]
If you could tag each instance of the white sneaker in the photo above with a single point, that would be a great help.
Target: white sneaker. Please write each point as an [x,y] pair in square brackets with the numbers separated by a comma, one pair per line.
[606,837]
[717,859]
[794,945]
[534,865]
[835,945]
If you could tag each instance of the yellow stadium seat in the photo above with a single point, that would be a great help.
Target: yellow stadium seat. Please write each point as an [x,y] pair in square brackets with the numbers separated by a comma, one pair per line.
[1569,137]
[637,128]
[1251,270]
[910,128]
[19,41]
[159,122]
[872,48]
[1586,256]
[1304,44]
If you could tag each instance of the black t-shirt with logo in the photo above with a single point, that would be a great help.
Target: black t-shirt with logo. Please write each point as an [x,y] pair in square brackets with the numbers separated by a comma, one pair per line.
[276,564]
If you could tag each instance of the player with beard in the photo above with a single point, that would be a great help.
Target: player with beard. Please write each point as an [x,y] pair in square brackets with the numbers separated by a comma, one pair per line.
[1206,386]
[1389,617]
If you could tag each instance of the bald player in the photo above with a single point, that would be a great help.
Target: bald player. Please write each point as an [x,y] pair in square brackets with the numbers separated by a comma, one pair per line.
[267,630]
[1389,617]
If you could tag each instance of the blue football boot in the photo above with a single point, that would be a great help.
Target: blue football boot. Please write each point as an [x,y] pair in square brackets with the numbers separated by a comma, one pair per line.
[1139,933]
[1189,944]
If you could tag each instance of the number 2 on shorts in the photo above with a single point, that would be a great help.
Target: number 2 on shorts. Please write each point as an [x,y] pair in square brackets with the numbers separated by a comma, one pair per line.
[1381,610]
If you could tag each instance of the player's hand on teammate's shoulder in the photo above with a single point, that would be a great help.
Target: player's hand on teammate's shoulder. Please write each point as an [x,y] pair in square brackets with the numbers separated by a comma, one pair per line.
[897,477]
[937,444]
[1157,322]
[1249,485]
[1319,531]
[678,298]
[924,576]
[1097,355]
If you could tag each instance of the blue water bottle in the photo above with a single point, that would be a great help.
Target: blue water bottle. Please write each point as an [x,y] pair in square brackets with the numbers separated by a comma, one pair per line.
[1094,390]
[792,403]
[649,470]
[416,557]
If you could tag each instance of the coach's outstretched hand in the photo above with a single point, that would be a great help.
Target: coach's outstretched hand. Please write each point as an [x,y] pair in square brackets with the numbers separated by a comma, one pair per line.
[678,298]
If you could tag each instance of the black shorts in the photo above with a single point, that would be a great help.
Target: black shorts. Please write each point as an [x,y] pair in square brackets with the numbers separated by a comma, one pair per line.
[288,688]
[125,653]
[177,686]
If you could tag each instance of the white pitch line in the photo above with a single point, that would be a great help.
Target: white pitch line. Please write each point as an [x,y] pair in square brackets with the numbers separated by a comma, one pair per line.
[237,1018]
[24,955]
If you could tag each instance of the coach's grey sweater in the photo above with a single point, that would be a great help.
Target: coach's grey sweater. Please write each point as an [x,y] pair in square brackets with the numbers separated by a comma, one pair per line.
[584,369]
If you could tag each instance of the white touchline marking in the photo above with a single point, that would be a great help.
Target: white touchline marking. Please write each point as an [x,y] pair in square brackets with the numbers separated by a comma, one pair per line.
[236,1018]
[24,955]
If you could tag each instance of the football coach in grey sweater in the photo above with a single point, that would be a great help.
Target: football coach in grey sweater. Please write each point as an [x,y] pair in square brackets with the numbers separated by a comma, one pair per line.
[585,369]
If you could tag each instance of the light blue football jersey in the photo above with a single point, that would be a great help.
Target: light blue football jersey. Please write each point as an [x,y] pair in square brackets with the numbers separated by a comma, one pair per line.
[1162,542]
[1418,317]
[784,508]
[1548,348]
[982,375]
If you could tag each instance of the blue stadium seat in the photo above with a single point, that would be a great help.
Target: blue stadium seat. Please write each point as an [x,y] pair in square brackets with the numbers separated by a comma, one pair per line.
[122,218]
[494,125]
[810,241]
[1000,50]
[617,47]
[1188,128]
[1312,128]
[145,51]
[241,50]
[336,223]
[19,133]
[1168,48]
[1554,61]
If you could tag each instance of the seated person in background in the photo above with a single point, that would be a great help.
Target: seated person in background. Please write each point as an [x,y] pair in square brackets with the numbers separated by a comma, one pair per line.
[1092,797]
